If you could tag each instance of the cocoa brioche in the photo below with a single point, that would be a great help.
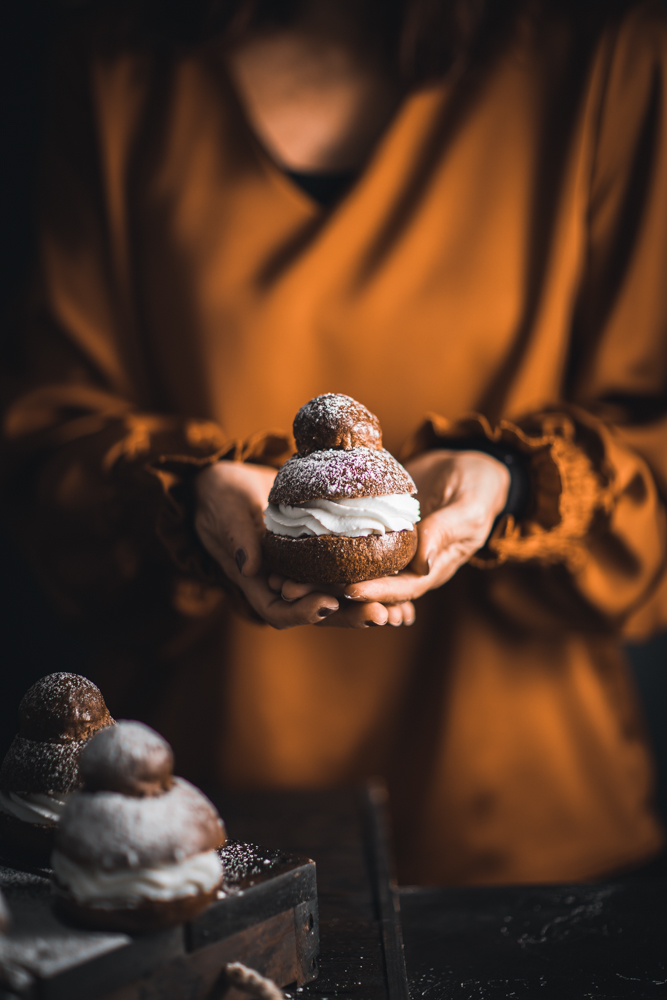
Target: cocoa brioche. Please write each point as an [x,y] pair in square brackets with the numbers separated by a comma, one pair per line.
[145,916]
[63,707]
[333,475]
[134,824]
[134,761]
[333,421]
[341,460]
[57,715]
[329,559]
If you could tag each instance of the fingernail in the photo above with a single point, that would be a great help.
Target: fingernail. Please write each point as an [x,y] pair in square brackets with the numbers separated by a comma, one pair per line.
[240,555]
[371,624]
[428,567]
[289,600]
[395,624]
[325,612]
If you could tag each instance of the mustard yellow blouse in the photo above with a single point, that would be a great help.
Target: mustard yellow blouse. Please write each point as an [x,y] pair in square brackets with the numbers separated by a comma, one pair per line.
[503,253]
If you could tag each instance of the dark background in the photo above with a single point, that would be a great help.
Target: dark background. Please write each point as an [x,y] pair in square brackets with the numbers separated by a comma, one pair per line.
[34,641]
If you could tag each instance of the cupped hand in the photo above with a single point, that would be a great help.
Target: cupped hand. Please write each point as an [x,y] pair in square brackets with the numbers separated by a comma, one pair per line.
[461,493]
[231,499]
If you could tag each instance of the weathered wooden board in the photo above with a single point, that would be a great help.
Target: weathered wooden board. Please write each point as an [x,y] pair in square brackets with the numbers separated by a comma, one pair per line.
[266,917]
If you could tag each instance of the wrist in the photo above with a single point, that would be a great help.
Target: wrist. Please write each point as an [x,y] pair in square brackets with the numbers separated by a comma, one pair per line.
[516,463]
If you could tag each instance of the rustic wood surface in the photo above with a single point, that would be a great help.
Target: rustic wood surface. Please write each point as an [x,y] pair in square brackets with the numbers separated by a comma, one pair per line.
[337,829]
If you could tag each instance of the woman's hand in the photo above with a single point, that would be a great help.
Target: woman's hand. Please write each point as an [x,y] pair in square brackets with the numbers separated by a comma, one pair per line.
[461,493]
[231,499]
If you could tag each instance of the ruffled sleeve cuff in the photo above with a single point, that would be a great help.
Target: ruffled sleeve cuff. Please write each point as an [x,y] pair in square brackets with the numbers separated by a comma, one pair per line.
[569,482]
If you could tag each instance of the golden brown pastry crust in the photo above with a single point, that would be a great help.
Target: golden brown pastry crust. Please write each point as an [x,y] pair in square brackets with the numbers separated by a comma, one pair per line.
[330,559]
[62,707]
[133,760]
[335,421]
[340,475]
[148,915]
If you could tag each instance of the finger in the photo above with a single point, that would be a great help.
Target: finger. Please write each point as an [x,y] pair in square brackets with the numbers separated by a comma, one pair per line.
[360,616]
[409,613]
[405,586]
[234,540]
[275,582]
[395,615]
[465,524]
[311,610]
[229,519]
[292,591]
[447,539]
[401,614]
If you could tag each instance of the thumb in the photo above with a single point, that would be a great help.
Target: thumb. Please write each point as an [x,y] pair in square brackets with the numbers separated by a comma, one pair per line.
[232,533]
[244,534]
[436,534]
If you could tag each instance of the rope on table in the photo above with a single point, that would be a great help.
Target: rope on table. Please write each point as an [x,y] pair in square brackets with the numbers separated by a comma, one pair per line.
[250,982]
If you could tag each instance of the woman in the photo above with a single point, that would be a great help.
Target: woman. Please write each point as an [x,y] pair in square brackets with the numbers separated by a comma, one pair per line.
[442,209]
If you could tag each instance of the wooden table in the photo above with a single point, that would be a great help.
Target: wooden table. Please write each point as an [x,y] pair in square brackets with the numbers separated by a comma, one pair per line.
[361,952]
[579,942]
[605,940]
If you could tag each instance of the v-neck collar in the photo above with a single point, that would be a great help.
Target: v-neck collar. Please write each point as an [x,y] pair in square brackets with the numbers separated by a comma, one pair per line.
[279,174]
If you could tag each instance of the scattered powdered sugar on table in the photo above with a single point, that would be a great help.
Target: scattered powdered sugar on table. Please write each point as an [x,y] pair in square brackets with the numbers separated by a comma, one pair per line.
[243,864]
[335,474]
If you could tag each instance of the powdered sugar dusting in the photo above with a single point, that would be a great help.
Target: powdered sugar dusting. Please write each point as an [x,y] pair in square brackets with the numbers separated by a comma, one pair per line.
[125,757]
[62,707]
[33,766]
[335,421]
[334,474]
[114,831]
[242,862]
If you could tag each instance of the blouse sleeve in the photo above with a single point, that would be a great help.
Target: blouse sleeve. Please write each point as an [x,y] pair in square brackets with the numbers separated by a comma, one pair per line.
[598,460]
[97,475]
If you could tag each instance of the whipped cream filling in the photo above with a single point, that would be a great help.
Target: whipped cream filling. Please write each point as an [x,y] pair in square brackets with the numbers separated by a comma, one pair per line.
[45,808]
[349,517]
[198,873]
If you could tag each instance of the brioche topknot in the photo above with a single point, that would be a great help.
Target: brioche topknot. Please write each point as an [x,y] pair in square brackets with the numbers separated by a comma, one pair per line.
[62,707]
[334,421]
[129,758]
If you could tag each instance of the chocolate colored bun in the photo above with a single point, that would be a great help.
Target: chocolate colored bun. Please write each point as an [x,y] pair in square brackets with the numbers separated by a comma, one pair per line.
[130,758]
[335,475]
[62,707]
[149,915]
[117,832]
[58,714]
[340,457]
[133,814]
[335,421]
[332,559]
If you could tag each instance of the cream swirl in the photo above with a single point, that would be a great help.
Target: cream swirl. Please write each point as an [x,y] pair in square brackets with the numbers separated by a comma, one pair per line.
[348,517]
[198,873]
[44,808]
